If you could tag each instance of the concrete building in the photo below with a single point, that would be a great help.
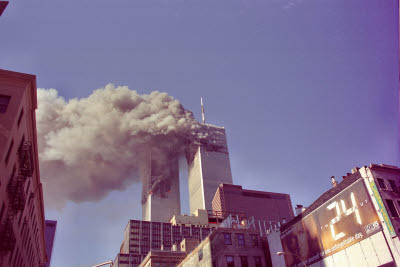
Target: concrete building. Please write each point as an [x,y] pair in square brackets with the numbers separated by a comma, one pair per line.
[163,258]
[353,224]
[142,236]
[160,194]
[228,247]
[49,233]
[208,166]
[263,206]
[22,220]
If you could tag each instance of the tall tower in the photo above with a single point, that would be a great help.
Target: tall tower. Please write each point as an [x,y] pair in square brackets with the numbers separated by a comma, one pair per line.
[208,166]
[160,194]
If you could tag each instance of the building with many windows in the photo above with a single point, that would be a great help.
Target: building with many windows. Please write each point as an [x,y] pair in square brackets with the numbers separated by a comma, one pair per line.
[140,237]
[22,220]
[229,247]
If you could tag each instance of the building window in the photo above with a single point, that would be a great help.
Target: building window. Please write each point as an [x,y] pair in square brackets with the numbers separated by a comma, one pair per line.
[257,261]
[254,240]
[240,238]
[229,261]
[243,261]
[227,239]
[392,184]
[381,183]
[392,208]
[200,253]
[4,100]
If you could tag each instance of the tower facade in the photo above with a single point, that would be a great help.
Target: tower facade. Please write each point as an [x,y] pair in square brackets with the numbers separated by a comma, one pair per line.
[160,194]
[208,166]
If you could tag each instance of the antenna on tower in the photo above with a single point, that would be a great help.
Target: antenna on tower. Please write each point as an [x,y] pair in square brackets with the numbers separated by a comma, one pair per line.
[202,110]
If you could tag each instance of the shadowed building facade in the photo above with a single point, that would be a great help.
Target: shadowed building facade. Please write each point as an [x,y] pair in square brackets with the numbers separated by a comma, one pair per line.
[208,166]
[22,220]
[264,206]
[50,233]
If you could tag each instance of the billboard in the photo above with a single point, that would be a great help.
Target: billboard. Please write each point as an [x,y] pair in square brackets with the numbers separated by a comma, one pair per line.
[342,221]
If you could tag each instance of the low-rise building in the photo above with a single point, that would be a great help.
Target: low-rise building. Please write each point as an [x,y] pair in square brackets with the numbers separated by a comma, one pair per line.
[228,247]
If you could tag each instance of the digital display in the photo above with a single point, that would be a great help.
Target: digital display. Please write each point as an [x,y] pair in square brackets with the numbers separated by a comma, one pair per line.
[342,221]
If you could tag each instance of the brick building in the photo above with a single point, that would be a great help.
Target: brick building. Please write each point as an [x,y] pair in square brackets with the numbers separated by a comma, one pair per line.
[22,220]
[263,206]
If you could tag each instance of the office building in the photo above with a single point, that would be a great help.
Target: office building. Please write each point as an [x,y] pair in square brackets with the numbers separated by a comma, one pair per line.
[264,206]
[160,194]
[22,220]
[142,236]
[208,166]
[49,234]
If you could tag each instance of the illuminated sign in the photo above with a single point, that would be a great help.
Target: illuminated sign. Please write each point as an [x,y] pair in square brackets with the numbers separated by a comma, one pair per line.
[342,221]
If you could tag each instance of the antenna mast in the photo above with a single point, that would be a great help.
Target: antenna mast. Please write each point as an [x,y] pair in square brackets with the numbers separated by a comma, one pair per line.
[202,110]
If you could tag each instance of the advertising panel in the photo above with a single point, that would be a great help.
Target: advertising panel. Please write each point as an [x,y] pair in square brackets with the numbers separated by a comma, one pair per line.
[344,220]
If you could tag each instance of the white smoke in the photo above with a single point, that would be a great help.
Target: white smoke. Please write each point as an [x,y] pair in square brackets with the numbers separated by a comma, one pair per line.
[91,146]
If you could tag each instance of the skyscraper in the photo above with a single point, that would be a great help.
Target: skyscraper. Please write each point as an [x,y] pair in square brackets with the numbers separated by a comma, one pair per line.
[208,166]
[160,194]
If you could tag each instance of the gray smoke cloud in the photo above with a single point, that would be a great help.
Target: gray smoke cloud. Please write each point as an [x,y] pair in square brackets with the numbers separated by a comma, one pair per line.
[91,146]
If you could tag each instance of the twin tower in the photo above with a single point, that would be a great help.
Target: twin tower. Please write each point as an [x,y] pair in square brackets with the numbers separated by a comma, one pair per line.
[208,167]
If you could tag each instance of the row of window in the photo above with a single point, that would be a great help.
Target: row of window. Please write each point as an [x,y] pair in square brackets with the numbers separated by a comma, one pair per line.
[240,239]
[383,185]
[230,261]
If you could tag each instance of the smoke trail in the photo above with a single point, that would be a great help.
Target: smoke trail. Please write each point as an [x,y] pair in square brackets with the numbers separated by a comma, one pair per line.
[91,146]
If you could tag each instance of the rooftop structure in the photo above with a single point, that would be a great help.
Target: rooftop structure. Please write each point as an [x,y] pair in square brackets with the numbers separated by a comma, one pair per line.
[22,220]
[162,258]
[199,219]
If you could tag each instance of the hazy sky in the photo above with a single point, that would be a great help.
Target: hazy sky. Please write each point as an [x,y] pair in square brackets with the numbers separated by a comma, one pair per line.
[306,89]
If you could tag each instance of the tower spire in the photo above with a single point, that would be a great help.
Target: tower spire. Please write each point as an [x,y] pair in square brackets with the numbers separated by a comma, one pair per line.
[202,110]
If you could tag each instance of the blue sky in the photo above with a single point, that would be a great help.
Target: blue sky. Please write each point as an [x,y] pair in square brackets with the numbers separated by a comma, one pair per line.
[306,89]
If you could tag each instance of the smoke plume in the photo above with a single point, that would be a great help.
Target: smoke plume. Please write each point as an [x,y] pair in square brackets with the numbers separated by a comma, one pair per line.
[91,146]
